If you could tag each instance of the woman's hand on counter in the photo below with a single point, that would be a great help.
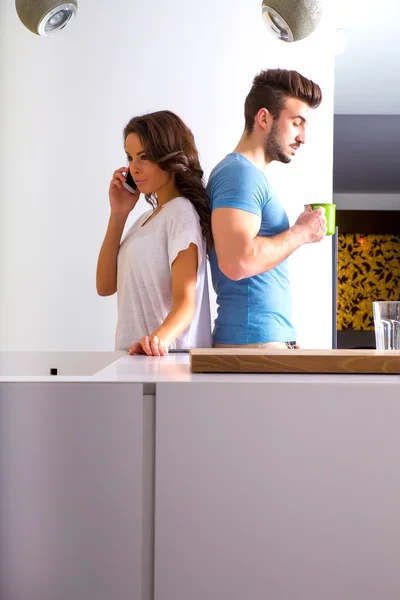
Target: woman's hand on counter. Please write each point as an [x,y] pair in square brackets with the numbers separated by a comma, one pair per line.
[151,345]
[184,278]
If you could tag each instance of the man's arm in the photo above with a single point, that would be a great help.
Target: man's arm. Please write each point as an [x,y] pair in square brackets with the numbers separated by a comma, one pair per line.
[242,253]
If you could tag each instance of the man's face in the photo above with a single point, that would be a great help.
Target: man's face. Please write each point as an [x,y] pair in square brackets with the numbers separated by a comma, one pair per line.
[287,132]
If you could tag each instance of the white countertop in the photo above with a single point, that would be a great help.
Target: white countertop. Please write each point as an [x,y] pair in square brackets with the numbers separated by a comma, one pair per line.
[175,368]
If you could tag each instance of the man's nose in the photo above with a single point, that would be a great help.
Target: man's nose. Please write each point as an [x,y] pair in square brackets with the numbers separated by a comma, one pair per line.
[301,138]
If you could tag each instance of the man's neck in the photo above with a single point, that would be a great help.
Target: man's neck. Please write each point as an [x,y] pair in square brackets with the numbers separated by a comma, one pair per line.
[253,150]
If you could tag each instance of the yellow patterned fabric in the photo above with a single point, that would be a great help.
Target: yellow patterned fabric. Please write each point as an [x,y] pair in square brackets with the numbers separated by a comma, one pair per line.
[368,270]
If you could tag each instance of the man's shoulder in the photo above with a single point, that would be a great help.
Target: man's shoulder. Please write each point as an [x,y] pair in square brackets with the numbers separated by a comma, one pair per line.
[235,165]
[237,183]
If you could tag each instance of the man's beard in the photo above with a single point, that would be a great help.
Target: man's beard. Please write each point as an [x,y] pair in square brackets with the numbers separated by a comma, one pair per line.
[273,148]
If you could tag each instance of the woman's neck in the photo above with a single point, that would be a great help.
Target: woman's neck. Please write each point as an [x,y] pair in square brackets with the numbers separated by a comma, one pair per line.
[166,193]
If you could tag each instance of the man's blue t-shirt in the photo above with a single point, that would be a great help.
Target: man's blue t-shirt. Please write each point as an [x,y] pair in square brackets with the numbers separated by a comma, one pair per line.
[256,309]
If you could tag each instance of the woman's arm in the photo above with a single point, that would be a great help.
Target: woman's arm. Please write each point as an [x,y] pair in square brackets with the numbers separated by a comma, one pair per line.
[184,279]
[106,274]
[121,204]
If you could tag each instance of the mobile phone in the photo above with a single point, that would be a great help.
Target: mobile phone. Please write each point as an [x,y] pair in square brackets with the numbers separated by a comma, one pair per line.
[129,184]
[178,351]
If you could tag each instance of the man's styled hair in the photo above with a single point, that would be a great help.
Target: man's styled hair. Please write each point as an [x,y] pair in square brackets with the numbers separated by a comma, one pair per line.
[271,88]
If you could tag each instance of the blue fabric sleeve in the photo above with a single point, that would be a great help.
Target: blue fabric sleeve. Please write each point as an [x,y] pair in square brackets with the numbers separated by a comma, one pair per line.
[237,186]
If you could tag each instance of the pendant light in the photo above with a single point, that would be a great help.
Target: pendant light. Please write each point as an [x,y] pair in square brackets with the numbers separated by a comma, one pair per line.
[46,17]
[292,20]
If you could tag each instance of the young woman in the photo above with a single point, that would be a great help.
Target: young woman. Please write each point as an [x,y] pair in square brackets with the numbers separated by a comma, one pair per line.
[159,268]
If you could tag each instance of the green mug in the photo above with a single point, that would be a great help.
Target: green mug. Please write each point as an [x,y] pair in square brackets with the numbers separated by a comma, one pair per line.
[330,214]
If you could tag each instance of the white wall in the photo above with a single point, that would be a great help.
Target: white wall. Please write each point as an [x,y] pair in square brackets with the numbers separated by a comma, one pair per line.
[64,104]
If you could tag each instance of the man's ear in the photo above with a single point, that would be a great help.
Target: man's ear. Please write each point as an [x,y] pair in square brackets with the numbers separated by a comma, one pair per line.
[263,118]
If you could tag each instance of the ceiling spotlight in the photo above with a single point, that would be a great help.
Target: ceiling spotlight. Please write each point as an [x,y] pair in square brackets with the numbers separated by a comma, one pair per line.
[292,20]
[46,17]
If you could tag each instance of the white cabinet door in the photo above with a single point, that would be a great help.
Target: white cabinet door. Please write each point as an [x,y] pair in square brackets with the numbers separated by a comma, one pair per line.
[75,522]
[277,491]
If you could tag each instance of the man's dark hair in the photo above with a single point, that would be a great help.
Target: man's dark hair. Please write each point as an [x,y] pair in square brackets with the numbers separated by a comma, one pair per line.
[272,87]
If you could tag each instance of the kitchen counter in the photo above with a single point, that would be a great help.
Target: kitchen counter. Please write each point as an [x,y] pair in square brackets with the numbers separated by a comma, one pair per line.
[170,485]
[149,370]
[175,367]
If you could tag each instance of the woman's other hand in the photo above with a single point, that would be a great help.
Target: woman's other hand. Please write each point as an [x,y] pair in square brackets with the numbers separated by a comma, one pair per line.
[151,345]
[122,202]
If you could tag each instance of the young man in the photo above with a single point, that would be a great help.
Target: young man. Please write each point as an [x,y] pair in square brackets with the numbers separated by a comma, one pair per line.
[250,227]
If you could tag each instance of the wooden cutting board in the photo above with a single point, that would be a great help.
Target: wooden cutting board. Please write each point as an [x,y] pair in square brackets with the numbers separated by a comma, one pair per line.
[261,360]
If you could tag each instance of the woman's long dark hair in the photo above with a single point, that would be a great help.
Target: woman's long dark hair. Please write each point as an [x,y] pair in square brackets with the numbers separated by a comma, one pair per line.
[169,143]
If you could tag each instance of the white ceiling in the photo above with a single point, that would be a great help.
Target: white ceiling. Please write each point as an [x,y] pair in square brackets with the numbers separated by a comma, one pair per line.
[367,74]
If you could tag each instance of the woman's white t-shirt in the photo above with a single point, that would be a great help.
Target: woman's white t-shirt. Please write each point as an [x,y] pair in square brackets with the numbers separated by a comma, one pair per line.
[144,283]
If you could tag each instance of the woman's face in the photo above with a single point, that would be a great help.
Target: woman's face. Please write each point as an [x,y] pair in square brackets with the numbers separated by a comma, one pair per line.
[147,175]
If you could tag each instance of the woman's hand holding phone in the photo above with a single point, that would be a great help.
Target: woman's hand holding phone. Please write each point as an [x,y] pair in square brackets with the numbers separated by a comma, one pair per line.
[122,202]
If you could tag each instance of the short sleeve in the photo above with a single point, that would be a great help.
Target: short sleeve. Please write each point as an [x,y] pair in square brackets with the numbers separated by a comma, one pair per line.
[184,229]
[238,186]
